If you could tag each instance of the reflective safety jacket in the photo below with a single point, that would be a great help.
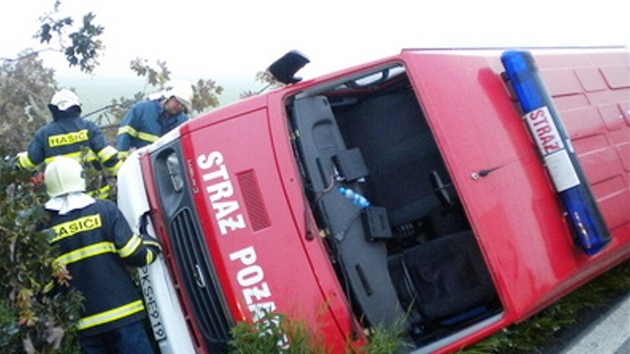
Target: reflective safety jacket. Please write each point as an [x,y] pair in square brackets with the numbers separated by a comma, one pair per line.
[143,124]
[68,136]
[72,136]
[97,245]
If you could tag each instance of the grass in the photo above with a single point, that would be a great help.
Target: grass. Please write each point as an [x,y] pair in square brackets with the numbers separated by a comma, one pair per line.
[536,335]
[274,333]
[545,329]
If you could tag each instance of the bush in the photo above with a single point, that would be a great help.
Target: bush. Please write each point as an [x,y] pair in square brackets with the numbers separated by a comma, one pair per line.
[33,318]
[542,330]
[276,333]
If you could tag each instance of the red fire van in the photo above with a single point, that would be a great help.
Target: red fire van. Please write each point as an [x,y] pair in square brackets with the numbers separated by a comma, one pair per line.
[455,190]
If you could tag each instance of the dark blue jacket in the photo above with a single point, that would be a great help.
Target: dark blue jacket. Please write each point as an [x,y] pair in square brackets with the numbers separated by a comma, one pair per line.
[143,124]
[69,135]
[97,245]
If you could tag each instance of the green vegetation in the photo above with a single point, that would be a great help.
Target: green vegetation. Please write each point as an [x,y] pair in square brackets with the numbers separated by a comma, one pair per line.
[274,331]
[387,339]
[541,329]
[26,85]
[25,88]
[37,313]
[81,46]
[33,318]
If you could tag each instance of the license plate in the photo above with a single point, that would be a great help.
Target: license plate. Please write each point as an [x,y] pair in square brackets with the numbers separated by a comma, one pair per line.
[152,308]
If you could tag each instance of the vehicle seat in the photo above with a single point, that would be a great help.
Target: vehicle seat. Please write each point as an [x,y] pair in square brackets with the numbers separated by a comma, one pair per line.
[400,152]
[443,278]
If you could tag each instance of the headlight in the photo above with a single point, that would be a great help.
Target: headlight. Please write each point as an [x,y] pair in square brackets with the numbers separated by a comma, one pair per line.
[175,172]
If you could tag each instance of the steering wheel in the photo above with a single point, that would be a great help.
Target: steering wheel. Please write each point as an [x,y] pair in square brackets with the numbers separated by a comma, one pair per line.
[441,189]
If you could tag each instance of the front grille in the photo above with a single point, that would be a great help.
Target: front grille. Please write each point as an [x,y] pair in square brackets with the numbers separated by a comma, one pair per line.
[200,280]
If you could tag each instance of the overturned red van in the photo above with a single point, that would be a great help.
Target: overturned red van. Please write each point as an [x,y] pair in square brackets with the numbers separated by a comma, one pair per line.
[456,190]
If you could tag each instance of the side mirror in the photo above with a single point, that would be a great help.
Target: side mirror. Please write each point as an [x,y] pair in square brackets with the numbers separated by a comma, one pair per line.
[284,69]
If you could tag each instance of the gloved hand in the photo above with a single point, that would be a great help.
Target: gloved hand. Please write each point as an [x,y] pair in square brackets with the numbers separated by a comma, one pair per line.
[149,241]
[21,155]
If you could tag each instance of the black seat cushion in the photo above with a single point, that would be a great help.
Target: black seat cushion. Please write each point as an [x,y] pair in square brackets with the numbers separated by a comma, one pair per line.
[448,275]
[399,150]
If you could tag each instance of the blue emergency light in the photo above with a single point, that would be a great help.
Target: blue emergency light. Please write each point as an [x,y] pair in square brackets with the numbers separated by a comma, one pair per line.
[555,148]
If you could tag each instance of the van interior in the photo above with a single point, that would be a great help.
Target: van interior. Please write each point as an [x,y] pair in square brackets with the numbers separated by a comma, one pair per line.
[410,257]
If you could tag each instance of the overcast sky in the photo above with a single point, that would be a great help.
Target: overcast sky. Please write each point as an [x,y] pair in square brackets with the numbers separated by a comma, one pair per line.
[237,38]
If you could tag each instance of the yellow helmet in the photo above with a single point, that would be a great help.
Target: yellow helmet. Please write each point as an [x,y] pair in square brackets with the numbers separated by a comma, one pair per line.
[64,175]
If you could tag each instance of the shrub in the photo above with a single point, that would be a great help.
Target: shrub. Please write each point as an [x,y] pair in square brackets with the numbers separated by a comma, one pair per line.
[33,318]
[275,333]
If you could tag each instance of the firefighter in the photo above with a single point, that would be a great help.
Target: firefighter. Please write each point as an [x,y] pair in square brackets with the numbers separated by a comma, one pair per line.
[70,135]
[96,246]
[148,120]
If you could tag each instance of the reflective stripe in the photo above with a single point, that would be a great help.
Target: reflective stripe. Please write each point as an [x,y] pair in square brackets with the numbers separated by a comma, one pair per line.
[111,315]
[78,156]
[113,171]
[101,193]
[128,130]
[86,252]
[132,245]
[90,156]
[147,137]
[25,161]
[152,243]
[107,153]
[149,257]
[136,134]
[69,138]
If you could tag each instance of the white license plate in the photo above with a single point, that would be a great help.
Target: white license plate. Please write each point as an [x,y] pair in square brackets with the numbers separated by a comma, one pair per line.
[152,308]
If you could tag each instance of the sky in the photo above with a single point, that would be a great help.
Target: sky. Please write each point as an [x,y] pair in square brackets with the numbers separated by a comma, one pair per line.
[234,39]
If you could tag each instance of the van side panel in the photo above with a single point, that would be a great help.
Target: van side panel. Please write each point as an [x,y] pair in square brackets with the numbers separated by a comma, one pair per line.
[593,100]
[507,194]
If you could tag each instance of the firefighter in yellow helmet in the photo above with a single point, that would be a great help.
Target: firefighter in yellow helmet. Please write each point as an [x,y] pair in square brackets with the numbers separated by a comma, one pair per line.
[68,134]
[97,246]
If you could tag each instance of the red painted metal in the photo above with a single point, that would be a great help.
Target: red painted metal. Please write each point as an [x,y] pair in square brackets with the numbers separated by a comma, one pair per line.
[510,202]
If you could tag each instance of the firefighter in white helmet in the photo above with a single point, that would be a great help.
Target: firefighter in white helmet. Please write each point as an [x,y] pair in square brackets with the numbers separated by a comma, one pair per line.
[148,120]
[97,246]
[68,134]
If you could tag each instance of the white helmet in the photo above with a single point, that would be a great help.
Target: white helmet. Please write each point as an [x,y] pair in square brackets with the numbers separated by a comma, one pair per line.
[182,91]
[64,99]
[64,175]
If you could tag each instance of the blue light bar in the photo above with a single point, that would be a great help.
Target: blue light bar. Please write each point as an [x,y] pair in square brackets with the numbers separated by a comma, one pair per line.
[555,148]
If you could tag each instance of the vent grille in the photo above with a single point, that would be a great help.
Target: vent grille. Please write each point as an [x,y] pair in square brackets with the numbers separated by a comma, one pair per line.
[200,281]
[252,196]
